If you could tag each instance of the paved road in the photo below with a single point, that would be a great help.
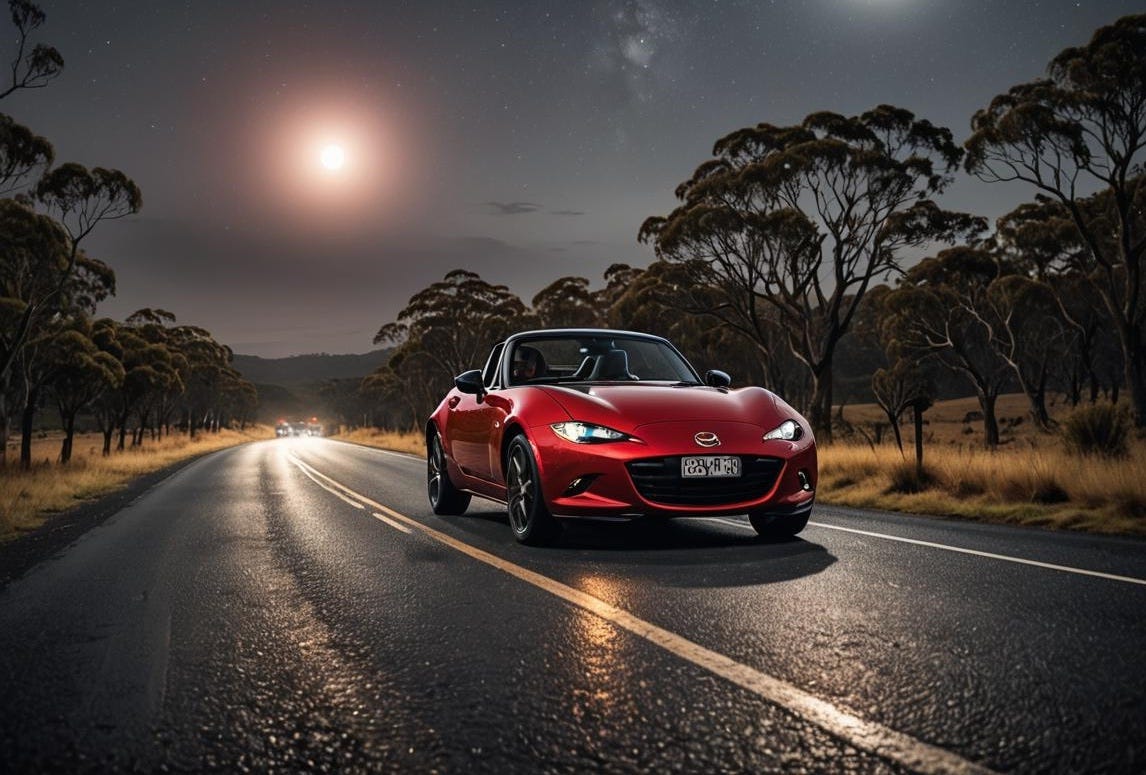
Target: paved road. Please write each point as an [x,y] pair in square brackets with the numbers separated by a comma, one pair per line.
[293,604]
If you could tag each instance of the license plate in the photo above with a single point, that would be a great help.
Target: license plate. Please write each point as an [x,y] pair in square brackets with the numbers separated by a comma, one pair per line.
[700,467]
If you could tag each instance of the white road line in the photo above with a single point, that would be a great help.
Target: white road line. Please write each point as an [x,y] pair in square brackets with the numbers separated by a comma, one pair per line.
[991,555]
[313,475]
[302,467]
[961,550]
[392,523]
[869,736]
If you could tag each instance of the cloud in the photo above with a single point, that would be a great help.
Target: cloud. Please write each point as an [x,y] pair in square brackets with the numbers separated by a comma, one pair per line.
[566,212]
[512,208]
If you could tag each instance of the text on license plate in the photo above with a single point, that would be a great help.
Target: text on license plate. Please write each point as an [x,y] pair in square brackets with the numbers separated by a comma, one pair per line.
[702,466]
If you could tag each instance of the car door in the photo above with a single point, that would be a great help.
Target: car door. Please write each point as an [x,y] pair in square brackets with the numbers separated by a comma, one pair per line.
[476,424]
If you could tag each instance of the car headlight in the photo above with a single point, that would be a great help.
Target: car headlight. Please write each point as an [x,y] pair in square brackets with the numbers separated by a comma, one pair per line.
[789,430]
[584,433]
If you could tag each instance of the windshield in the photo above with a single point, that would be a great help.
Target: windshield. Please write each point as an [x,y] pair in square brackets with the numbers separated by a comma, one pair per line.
[597,359]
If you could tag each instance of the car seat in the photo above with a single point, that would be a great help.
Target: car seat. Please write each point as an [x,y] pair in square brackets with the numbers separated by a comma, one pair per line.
[612,365]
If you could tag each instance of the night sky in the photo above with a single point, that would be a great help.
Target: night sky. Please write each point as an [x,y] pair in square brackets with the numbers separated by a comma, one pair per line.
[524,141]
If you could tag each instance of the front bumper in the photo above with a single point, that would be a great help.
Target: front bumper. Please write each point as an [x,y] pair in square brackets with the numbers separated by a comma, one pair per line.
[640,477]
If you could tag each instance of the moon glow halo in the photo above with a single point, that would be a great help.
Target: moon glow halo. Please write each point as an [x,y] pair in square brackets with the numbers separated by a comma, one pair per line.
[333,157]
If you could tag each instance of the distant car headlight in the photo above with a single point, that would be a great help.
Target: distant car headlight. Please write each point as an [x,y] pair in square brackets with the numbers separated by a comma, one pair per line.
[584,433]
[789,430]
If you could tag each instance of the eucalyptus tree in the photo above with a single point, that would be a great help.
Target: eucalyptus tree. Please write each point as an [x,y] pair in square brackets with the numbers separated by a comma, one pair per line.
[904,385]
[1041,241]
[80,199]
[568,303]
[243,398]
[618,279]
[348,402]
[942,309]
[403,391]
[804,219]
[33,254]
[1031,336]
[149,371]
[23,155]
[157,327]
[84,372]
[110,336]
[39,359]
[152,367]
[456,320]
[209,376]
[443,330]
[31,66]
[1077,132]
[658,300]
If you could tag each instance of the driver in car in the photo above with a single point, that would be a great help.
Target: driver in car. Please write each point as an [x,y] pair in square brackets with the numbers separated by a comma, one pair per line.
[527,364]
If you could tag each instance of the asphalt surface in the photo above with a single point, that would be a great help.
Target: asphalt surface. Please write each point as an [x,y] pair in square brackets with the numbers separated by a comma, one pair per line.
[293,605]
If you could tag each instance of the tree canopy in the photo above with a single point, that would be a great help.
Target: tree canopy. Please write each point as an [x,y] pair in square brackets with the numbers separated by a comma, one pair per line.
[1077,136]
[804,219]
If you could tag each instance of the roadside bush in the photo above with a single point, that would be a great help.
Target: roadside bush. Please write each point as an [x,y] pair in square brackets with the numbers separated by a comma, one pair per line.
[907,479]
[1101,429]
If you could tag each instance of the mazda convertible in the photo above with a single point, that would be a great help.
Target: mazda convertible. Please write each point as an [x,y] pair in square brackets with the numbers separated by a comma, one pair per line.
[615,425]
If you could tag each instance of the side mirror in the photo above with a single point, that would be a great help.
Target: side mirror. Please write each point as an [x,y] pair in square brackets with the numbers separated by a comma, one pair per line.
[716,378]
[470,382]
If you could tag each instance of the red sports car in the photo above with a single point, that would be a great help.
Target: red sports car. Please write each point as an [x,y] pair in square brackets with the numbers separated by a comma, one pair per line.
[614,425]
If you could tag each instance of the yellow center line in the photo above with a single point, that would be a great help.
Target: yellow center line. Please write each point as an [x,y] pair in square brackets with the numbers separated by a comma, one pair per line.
[865,735]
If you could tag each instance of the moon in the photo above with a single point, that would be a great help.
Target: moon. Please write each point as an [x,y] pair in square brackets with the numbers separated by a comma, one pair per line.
[333,157]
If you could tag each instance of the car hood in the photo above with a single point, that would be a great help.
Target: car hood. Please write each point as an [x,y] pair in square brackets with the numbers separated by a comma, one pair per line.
[626,407]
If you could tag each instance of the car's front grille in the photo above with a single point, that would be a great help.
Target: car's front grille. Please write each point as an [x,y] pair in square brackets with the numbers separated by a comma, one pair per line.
[659,480]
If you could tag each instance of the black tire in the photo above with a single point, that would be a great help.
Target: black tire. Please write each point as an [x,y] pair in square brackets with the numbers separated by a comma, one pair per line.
[778,526]
[445,498]
[529,518]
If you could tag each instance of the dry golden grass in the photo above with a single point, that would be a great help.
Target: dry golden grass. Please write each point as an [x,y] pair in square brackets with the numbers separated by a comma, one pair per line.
[399,441]
[1021,484]
[1030,479]
[27,498]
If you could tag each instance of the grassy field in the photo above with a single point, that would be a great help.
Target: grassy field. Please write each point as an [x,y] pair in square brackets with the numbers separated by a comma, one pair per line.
[27,498]
[413,443]
[1030,479]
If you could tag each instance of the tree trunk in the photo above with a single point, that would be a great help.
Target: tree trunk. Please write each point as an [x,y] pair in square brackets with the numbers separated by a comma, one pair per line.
[893,421]
[1133,357]
[69,436]
[107,434]
[1036,393]
[820,413]
[4,427]
[917,411]
[26,418]
[990,421]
